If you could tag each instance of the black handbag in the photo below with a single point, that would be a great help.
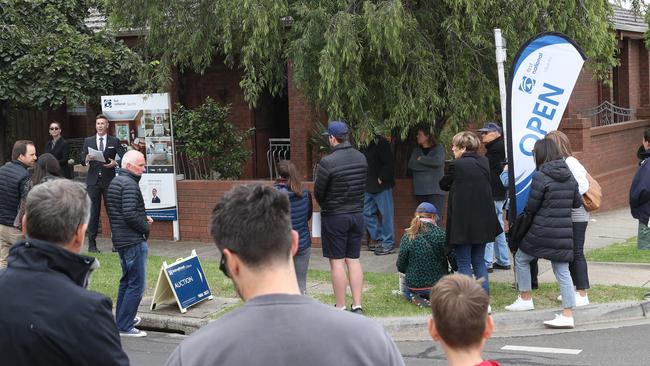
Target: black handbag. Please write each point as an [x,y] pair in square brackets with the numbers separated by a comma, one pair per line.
[519,229]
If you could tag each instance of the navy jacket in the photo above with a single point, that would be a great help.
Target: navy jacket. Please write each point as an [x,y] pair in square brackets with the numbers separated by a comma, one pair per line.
[301,211]
[340,182]
[640,193]
[126,210]
[14,180]
[553,193]
[48,317]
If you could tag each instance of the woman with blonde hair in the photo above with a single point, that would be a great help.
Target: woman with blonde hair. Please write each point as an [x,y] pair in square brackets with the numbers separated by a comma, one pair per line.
[471,219]
[422,255]
[580,218]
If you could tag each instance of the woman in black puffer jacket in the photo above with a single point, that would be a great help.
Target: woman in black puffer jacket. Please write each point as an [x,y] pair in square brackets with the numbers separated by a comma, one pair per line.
[553,193]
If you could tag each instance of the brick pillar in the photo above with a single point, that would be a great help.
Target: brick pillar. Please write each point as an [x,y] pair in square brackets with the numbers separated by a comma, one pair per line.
[624,75]
[643,112]
[302,118]
[578,130]
[644,77]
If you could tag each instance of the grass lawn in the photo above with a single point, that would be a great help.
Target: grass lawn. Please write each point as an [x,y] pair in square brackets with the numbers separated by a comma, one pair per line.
[626,252]
[378,300]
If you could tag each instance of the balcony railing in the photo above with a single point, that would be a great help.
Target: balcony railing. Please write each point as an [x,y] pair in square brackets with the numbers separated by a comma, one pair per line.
[608,114]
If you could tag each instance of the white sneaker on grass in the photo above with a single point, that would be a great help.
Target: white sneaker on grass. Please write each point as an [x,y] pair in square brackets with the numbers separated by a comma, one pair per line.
[560,322]
[133,332]
[581,300]
[521,305]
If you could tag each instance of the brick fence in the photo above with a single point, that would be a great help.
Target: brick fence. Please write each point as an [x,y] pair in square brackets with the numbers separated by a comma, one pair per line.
[196,198]
[608,153]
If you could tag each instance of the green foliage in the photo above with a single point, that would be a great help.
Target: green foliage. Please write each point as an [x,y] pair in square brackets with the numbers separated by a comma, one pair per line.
[48,56]
[317,140]
[375,63]
[207,132]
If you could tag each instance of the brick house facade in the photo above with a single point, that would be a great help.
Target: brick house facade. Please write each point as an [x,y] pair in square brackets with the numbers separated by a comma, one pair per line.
[608,152]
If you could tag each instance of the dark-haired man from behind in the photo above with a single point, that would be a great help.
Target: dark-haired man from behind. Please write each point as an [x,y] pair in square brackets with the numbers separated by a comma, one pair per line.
[47,315]
[14,185]
[251,227]
[460,321]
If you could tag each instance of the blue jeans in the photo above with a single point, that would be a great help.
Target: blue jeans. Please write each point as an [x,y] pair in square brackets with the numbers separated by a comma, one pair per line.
[301,264]
[470,256]
[133,259]
[499,246]
[560,269]
[381,202]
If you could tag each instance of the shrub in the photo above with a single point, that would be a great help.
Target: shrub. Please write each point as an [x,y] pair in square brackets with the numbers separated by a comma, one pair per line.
[207,133]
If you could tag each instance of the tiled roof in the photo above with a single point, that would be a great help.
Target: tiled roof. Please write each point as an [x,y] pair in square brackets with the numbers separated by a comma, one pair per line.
[628,20]
[95,20]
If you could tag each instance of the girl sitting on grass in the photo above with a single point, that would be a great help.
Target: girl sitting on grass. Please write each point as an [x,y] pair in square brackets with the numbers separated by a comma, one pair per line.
[422,256]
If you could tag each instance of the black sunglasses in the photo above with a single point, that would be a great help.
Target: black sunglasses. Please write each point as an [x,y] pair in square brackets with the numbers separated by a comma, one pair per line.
[222,266]
[53,128]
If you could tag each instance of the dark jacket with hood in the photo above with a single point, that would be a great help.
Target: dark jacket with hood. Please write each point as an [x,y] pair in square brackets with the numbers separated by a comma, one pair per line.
[340,182]
[14,178]
[48,317]
[640,193]
[381,165]
[126,210]
[301,210]
[553,193]
[471,218]
[496,154]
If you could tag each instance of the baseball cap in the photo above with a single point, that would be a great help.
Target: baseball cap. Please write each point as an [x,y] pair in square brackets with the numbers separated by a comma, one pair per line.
[426,207]
[336,129]
[491,127]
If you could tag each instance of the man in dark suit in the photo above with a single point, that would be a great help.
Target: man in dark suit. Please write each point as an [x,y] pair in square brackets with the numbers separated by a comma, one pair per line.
[100,173]
[154,194]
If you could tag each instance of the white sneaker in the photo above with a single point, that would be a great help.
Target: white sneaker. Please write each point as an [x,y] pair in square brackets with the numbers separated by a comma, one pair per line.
[581,300]
[521,305]
[134,332]
[560,322]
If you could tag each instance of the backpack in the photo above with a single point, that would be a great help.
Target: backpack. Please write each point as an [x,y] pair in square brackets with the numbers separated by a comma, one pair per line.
[593,197]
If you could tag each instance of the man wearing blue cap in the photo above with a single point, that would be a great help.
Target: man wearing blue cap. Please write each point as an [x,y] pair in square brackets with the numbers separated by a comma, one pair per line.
[339,188]
[495,152]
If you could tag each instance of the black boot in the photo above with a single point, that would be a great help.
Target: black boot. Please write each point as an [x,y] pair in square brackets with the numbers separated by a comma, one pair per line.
[92,247]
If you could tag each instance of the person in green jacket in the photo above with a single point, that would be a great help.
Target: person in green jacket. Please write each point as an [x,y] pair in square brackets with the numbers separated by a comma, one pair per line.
[423,258]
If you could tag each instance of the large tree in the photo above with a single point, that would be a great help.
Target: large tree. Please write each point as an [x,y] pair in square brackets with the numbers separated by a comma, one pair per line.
[378,64]
[48,57]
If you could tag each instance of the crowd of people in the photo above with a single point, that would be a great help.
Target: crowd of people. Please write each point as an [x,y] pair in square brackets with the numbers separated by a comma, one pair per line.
[263,236]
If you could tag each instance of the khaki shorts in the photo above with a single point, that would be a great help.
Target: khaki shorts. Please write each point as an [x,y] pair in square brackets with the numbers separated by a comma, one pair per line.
[8,236]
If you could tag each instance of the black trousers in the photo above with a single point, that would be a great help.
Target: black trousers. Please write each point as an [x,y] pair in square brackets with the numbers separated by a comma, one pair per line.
[578,267]
[96,193]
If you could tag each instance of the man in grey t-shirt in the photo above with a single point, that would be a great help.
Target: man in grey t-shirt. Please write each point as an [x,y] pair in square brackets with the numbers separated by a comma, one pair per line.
[251,226]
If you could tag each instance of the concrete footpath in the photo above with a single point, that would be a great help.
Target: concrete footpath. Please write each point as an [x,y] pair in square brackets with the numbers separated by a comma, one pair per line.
[604,229]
